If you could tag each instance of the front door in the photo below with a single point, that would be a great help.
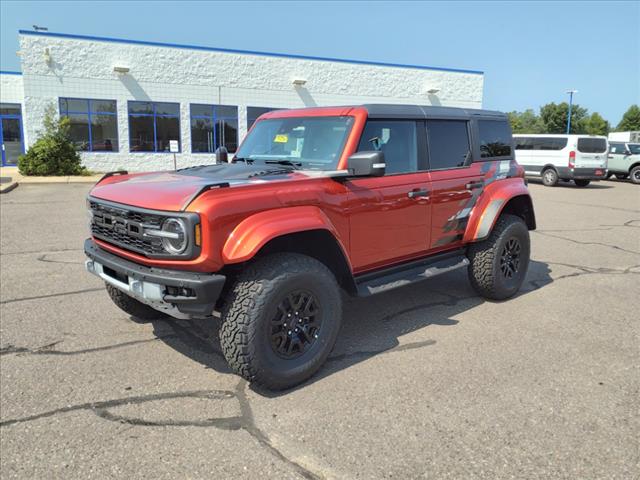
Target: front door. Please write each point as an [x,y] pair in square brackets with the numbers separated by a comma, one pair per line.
[389,215]
[11,134]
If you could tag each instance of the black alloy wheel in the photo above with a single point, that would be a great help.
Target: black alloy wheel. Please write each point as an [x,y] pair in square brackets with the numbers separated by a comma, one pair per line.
[296,324]
[510,258]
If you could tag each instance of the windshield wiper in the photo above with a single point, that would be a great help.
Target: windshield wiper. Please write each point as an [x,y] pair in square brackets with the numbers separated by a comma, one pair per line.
[289,163]
[242,159]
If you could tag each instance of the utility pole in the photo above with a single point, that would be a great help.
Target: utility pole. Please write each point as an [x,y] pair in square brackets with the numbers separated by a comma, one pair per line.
[570,92]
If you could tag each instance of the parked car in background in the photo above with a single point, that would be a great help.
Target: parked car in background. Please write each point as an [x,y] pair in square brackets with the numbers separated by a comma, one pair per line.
[624,161]
[581,158]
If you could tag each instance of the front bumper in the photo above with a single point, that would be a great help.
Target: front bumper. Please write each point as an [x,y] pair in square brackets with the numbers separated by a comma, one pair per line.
[582,173]
[177,293]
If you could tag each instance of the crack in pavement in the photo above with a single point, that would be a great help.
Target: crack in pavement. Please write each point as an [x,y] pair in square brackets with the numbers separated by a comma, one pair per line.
[62,294]
[29,252]
[48,349]
[579,242]
[245,421]
[43,258]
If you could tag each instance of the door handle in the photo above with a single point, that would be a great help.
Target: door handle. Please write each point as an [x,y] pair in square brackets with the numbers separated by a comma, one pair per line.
[472,185]
[418,193]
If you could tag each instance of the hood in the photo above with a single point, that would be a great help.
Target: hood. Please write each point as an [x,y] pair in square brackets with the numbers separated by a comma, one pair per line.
[173,191]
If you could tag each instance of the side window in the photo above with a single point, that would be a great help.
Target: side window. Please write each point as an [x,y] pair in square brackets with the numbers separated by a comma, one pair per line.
[616,147]
[495,139]
[396,139]
[448,143]
[523,143]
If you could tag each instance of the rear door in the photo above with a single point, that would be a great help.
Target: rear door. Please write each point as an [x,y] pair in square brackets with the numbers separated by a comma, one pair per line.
[591,152]
[455,180]
[389,215]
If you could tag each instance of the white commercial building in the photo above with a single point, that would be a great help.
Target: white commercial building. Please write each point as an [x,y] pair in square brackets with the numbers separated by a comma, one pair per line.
[128,99]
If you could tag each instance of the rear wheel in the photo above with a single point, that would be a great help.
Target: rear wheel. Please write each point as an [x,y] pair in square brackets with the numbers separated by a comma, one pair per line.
[132,306]
[550,177]
[582,183]
[281,320]
[621,176]
[499,264]
[635,174]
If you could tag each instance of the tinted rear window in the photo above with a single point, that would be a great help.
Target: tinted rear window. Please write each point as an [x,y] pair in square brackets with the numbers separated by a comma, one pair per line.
[540,143]
[592,145]
[495,139]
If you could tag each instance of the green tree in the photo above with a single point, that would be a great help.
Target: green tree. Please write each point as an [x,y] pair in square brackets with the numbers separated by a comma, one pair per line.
[53,153]
[630,120]
[525,122]
[596,125]
[554,118]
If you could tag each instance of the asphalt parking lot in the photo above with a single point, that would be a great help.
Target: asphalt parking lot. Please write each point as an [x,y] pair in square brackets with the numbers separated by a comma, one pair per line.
[429,381]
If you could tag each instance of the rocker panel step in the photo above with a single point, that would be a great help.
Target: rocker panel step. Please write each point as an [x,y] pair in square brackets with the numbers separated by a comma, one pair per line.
[412,274]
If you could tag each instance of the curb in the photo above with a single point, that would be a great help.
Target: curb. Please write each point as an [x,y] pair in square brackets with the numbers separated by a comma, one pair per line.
[9,187]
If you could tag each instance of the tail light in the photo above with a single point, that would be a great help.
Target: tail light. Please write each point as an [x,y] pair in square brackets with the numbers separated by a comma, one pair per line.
[572,159]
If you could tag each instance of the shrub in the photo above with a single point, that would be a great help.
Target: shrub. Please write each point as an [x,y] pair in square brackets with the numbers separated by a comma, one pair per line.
[53,153]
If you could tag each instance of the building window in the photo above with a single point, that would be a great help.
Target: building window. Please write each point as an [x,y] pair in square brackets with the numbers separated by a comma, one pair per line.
[93,123]
[213,126]
[153,125]
[254,112]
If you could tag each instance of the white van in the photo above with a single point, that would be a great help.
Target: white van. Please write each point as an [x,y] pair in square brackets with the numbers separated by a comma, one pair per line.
[581,158]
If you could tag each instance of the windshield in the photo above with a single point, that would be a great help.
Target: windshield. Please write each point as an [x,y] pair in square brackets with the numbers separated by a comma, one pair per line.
[314,143]
[634,148]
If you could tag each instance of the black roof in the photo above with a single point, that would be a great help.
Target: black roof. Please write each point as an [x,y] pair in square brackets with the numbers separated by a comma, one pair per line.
[426,111]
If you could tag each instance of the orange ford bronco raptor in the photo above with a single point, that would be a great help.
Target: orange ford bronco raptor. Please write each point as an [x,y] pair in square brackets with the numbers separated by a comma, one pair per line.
[361,198]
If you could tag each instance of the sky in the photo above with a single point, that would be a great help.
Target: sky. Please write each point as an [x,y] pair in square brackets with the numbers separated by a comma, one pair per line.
[531,52]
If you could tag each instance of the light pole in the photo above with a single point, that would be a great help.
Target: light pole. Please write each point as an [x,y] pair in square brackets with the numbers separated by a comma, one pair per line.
[570,92]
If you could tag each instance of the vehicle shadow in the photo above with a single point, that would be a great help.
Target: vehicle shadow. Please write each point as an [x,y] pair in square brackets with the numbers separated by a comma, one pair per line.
[592,186]
[371,326]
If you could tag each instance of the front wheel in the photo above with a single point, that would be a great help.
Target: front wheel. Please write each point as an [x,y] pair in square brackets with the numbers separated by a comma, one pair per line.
[281,320]
[635,175]
[582,183]
[499,264]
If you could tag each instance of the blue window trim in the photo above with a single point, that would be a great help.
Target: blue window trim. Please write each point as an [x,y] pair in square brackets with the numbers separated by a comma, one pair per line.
[245,52]
[9,72]
[213,119]
[89,113]
[12,116]
[154,115]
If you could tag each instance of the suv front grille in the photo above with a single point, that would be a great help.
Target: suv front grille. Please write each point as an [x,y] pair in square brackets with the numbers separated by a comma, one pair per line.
[123,227]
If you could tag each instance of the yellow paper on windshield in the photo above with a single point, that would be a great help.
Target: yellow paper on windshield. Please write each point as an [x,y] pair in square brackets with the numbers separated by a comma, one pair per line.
[281,138]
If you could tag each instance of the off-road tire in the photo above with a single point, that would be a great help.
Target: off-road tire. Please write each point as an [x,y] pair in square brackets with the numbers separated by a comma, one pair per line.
[550,177]
[621,176]
[252,305]
[485,272]
[582,183]
[132,306]
[634,175]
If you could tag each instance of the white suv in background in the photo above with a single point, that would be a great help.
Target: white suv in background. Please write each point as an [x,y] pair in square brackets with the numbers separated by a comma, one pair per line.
[581,158]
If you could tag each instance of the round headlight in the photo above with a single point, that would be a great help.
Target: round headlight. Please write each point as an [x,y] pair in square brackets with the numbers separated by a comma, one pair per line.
[175,239]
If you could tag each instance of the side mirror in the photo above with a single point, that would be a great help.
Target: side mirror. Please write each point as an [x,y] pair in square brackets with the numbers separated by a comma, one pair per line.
[366,164]
[222,156]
